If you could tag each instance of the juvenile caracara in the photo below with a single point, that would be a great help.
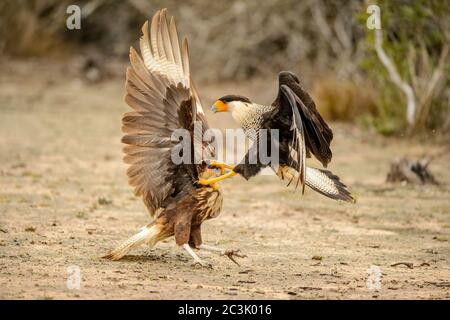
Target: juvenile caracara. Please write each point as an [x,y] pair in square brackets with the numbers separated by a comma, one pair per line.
[301,132]
[160,91]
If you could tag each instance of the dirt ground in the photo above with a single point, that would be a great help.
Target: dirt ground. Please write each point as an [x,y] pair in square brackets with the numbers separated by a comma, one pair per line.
[64,201]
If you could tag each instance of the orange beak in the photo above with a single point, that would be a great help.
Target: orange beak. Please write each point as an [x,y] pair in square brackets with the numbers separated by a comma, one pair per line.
[219,106]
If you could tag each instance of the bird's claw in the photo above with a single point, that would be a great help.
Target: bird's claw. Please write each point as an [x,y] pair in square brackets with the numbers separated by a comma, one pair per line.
[207,162]
[231,253]
[212,164]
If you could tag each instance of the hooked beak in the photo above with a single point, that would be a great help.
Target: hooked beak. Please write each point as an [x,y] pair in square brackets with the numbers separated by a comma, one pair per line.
[219,106]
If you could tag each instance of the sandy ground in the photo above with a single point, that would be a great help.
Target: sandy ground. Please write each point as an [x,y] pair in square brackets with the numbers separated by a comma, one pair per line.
[64,200]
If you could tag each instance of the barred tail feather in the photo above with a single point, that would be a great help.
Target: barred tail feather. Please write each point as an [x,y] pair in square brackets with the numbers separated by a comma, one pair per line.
[148,234]
[328,184]
[322,181]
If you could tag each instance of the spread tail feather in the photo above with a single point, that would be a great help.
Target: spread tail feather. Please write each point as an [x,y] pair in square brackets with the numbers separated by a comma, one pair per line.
[322,181]
[148,234]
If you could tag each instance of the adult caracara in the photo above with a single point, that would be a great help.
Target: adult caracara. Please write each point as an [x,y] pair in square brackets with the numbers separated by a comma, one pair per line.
[301,132]
[160,90]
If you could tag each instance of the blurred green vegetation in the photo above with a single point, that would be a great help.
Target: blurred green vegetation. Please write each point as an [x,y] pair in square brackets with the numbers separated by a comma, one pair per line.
[326,42]
[414,35]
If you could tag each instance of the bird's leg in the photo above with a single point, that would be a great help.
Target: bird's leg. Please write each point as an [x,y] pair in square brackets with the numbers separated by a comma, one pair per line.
[230,253]
[221,165]
[209,182]
[213,181]
[197,260]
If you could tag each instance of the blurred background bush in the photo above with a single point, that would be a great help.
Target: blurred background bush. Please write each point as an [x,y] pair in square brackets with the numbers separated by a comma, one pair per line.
[326,42]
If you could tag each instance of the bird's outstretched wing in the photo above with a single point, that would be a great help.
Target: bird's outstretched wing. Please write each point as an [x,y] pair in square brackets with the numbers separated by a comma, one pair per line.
[298,147]
[311,134]
[160,90]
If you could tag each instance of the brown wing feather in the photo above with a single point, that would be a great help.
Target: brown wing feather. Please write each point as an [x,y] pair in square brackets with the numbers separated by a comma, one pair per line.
[158,89]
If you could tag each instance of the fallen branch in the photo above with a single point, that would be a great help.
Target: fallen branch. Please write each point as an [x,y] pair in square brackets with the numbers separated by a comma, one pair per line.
[408,264]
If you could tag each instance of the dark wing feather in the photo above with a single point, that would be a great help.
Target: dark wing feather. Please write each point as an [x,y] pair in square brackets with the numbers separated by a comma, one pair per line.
[298,134]
[159,90]
[250,165]
[315,115]
[318,135]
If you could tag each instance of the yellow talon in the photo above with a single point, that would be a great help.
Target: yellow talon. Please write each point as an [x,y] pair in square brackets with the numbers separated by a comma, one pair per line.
[205,182]
[221,165]
[213,181]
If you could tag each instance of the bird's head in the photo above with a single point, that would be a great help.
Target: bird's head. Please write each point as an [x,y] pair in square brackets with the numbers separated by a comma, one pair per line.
[230,103]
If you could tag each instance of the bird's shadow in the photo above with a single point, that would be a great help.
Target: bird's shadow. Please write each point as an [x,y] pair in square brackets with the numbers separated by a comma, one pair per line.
[154,257]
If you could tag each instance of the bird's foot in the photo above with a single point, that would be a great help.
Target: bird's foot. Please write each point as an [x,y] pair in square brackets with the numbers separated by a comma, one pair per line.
[217,164]
[207,182]
[212,182]
[197,261]
[231,253]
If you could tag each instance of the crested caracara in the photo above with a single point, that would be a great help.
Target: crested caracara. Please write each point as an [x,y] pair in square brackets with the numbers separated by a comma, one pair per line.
[301,133]
[159,89]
